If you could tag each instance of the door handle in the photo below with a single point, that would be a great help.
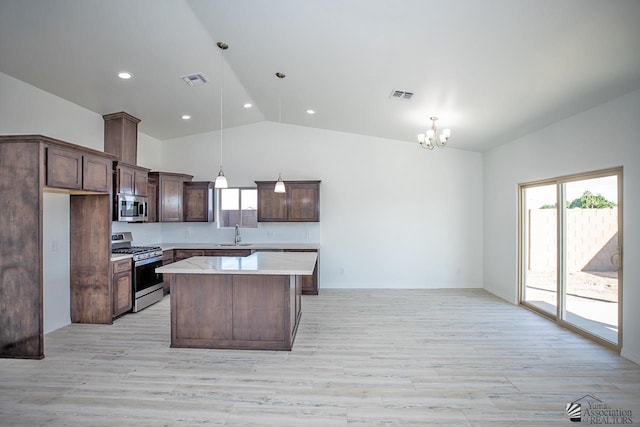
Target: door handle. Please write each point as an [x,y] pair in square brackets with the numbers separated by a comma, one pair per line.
[614,262]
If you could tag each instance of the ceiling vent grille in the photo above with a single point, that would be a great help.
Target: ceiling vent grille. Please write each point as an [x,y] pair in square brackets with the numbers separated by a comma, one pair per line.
[401,95]
[194,79]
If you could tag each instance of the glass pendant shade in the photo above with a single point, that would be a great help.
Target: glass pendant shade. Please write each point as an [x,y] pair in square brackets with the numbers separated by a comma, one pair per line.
[221,180]
[279,188]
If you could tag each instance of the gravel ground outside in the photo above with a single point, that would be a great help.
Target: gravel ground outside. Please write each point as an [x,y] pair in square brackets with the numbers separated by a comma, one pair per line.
[595,285]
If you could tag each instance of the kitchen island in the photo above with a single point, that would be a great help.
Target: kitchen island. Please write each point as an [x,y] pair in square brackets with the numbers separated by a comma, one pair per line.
[251,302]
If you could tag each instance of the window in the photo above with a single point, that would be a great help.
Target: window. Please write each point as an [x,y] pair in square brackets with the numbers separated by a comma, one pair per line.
[238,206]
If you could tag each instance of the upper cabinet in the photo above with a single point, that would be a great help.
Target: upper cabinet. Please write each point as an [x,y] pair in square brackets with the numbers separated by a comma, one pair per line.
[300,203]
[169,195]
[198,201]
[132,180]
[74,169]
[121,136]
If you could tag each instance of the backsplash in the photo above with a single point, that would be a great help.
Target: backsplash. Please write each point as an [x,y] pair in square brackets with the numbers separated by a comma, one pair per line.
[150,233]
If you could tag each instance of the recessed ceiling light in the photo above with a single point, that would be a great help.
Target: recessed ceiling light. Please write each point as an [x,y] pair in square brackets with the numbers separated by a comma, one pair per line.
[186,117]
[311,112]
[125,75]
[248,105]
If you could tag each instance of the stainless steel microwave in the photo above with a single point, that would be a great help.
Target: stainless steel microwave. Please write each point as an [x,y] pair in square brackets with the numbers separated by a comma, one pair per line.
[131,208]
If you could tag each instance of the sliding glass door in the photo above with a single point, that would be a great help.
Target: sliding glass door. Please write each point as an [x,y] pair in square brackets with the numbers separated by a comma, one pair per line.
[540,259]
[592,256]
[570,251]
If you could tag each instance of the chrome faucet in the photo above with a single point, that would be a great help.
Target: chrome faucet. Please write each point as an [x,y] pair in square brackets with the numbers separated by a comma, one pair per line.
[237,239]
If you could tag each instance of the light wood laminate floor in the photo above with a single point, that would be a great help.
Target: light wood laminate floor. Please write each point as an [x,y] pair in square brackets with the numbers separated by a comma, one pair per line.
[361,358]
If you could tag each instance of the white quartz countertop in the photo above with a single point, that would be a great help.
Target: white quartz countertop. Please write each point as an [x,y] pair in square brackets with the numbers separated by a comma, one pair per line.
[254,246]
[260,263]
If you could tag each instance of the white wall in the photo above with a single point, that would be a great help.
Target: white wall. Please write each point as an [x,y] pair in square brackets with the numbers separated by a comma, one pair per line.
[603,137]
[392,215]
[55,258]
[25,109]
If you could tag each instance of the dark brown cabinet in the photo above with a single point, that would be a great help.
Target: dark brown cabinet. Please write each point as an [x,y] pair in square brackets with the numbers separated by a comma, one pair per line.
[180,254]
[122,295]
[300,203]
[152,202]
[169,195]
[34,164]
[228,252]
[74,170]
[167,258]
[132,180]
[121,136]
[198,201]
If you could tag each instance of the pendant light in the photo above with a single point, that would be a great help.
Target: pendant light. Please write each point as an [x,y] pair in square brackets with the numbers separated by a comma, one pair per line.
[221,180]
[279,187]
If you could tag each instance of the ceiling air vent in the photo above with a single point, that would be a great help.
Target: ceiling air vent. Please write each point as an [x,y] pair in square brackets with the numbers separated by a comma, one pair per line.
[402,95]
[194,79]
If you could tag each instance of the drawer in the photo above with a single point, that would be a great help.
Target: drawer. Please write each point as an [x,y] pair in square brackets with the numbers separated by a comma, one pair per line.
[228,252]
[180,254]
[120,266]
[167,255]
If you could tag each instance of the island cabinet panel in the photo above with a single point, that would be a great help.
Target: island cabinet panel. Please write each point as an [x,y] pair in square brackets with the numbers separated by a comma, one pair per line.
[21,293]
[259,308]
[249,312]
[309,283]
[201,312]
[300,203]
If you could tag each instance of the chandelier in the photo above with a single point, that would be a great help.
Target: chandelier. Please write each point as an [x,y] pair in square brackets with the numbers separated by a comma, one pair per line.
[431,138]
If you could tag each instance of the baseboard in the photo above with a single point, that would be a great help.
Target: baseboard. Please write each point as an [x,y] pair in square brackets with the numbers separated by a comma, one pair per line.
[635,358]
[501,295]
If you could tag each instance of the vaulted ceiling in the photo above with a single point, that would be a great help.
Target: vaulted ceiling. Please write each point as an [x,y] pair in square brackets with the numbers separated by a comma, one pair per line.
[492,70]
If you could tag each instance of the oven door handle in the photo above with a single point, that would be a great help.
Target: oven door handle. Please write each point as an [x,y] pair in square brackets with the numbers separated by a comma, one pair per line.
[148,261]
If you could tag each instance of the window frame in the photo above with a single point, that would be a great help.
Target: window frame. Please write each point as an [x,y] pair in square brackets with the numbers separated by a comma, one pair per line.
[219,207]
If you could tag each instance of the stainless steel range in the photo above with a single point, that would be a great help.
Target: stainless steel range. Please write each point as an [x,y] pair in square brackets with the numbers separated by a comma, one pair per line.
[146,283]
